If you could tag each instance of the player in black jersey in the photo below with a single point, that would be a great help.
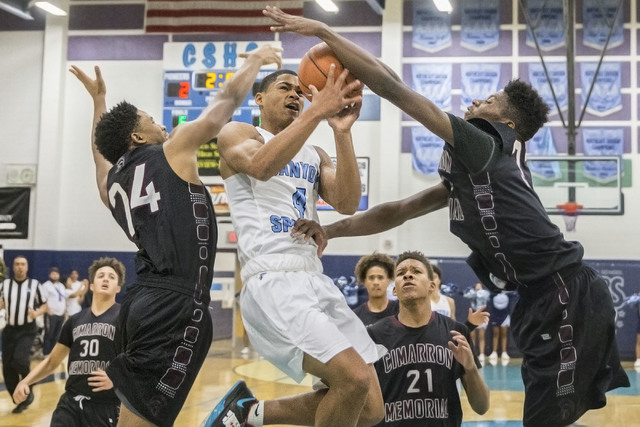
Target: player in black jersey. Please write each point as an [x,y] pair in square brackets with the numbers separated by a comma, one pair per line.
[88,339]
[564,320]
[149,180]
[375,272]
[427,353]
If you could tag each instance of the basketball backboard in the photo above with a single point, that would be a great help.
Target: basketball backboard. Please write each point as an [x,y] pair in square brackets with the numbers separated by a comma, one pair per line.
[595,182]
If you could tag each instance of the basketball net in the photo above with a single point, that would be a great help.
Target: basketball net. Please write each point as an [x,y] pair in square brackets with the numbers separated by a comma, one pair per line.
[570,212]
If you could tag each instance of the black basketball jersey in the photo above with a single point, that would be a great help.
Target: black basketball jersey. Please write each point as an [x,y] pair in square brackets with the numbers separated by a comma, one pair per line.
[369,318]
[90,340]
[497,213]
[171,221]
[418,374]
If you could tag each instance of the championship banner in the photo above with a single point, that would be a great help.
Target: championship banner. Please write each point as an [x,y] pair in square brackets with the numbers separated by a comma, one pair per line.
[602,142]
[426,150]
[558,77]
[542,144]
[431,28]
[14,212]
[606,96]
[547,22]
[478,82]
[433,81]
[480,26]
[599,16]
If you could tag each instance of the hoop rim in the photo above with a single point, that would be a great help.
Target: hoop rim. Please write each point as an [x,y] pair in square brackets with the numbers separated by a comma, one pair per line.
[570,208]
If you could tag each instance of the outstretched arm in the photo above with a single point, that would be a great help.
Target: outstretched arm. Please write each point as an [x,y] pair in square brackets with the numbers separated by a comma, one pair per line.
[370,70]
[391,214]
[98,91]
[189,136]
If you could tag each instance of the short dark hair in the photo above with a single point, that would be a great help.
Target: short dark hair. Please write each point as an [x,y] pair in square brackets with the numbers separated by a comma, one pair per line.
[270,78]
[376,259]
[437,271]
[527,109]
[113,131]
[118,267]
[418,256]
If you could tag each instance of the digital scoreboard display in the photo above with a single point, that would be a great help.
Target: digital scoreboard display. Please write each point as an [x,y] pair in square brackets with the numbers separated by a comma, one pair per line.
[194,73]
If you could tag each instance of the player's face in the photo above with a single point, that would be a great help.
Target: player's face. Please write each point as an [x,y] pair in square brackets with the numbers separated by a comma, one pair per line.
[283,100]
[148,131]
[54,276]
[20,268]
[105,282]
[412,280]
[490,109]
[377,282]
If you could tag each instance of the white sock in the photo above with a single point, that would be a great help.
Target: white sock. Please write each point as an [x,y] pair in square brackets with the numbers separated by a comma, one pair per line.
[256,414]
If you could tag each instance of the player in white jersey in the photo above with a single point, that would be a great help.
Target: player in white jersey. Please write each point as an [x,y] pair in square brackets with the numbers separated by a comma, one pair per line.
[294,315]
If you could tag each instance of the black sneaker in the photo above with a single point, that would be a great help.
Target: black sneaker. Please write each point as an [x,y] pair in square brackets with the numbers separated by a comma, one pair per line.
[233,409]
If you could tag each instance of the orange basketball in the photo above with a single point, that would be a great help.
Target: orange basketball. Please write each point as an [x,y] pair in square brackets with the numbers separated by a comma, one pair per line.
[314,68]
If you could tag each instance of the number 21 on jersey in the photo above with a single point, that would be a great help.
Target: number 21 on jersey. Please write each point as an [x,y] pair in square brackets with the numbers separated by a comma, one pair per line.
[137,198]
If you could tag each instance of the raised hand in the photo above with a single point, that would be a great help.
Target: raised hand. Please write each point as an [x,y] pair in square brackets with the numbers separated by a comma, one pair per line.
[267,54]
[461,350]
[96,87]
[478,317]
[291,23]
[336,95]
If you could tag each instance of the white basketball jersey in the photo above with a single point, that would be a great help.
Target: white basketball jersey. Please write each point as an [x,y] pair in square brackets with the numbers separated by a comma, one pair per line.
[264,212]
[442,306]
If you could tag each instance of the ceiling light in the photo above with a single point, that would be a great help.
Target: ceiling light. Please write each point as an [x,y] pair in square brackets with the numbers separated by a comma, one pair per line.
[443,5]
[51,8]
[24,14]
[328,5]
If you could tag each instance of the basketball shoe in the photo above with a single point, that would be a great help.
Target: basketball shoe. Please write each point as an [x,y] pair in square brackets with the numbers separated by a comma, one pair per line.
[233,409]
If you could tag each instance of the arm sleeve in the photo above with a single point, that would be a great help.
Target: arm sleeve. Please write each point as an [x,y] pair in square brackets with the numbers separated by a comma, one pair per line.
[473,146]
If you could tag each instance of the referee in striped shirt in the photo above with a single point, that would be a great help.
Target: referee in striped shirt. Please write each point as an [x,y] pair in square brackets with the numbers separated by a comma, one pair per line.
[24,301]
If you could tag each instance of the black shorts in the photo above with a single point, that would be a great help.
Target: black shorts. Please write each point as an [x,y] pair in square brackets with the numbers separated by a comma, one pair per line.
[162,339]
[566,332]
[81,412]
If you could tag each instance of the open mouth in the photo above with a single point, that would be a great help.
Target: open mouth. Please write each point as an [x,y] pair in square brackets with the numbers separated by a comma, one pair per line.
[294,106]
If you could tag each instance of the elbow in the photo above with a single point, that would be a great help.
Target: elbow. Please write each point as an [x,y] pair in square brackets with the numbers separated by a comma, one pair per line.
[347,207]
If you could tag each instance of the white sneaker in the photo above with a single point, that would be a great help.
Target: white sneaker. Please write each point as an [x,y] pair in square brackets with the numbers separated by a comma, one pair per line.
[493,356]
[637,364]
[505,356]
[245,350]
[481,357]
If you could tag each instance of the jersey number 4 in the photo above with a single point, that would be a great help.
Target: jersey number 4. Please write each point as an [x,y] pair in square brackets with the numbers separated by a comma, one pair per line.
[137,197]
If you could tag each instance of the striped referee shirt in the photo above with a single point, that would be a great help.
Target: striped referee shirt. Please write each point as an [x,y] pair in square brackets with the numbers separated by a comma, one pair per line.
[19,298]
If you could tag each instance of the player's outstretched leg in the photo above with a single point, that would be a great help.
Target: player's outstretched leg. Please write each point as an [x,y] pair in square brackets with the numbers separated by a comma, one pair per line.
[233,409]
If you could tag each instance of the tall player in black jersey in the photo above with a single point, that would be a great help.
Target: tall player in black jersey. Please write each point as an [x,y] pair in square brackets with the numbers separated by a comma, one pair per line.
[564,320]
[427,353]
[88,339]
[149,180]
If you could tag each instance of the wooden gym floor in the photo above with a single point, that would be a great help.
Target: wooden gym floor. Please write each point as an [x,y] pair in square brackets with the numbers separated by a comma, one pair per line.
[226,365]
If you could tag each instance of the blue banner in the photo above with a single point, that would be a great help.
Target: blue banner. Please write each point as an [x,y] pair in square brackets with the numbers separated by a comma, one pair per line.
[542,145]
[606,97]
[478,82]
[426,150]
[547,22]
[433,81]
[598,18]
[431,28]
[480,29]
[601,142]
[558,77]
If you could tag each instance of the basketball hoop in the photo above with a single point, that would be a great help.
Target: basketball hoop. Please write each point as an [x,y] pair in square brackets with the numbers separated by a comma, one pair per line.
[570,212]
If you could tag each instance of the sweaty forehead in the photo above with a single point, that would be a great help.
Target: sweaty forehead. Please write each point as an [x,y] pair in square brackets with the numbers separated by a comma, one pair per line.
[286,78]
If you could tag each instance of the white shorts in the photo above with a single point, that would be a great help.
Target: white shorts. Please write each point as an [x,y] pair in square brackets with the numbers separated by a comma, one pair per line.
[290,313]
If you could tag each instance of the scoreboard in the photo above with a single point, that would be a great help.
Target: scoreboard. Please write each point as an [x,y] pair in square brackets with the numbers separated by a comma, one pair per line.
[195,71]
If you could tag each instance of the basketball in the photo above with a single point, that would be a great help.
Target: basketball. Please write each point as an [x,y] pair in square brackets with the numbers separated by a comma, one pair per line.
[314,68]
